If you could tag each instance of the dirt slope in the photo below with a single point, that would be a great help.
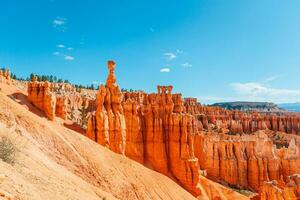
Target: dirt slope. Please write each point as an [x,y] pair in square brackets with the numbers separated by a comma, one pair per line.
[53,162]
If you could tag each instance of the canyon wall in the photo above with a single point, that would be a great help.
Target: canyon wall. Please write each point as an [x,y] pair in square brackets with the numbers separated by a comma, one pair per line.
[41,95]
[5,76]
[243,122]
[183,139]
[59,99]
[145,127]
[246,161]
[273,190]
[155,130]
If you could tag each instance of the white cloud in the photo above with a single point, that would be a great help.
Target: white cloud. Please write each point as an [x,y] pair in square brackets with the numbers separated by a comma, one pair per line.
[59,21]
[254,91]
[170,56]
[61,46]
[271,78]
[165,70]
[70,48]
[186,65]
[56,53]
[69,58]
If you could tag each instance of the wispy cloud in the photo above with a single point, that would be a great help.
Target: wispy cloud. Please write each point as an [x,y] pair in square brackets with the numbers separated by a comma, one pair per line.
[165,70]
[271,78]
[59,23]
[179,51]
[255,91]
[170,56]
[60,46]
[70,48]
[69,58]
[186,65]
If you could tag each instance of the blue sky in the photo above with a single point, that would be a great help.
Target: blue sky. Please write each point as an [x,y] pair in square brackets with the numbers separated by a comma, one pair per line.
[215,50]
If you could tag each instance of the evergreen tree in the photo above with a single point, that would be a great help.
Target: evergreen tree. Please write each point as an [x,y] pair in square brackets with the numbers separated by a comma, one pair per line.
[31,76]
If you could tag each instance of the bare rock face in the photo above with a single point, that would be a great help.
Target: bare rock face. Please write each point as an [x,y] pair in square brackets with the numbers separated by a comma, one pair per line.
[58,99]
[107,125]
[246,161]
[239,122]
[41,95]
[5,77]
[183,139]
[246,149]
[145,128]
[275,191]
[153,129]
[294,182]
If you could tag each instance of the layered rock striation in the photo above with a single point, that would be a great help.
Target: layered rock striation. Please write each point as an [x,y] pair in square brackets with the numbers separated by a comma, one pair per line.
[183,139]
[153,129]
[243,122]
[41,95]
[59,99]
[246,161]
[5,76]
[273,190]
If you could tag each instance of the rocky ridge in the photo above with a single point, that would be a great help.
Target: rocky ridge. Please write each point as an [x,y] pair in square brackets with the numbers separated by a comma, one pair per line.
[185,140]
[181,138]
[59,100]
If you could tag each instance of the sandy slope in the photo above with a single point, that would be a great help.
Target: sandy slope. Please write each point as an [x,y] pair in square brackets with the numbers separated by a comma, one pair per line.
[54,162]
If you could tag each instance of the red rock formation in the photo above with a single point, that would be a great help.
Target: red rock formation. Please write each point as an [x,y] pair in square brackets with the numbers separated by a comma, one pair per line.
[245,122]
[107,125]
[58,99]
[5,76]
[246,161]
[153,129]
[40,95]
[293,181]
[272,190]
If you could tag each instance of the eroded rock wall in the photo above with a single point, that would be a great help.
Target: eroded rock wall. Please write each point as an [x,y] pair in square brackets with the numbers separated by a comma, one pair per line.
[246,161]
[244,122]
[273,190]
[5,76]
[40,94]
[59,100]
[148,128]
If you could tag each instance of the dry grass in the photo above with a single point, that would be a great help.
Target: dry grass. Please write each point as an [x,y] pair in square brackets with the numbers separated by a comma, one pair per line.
[7,150]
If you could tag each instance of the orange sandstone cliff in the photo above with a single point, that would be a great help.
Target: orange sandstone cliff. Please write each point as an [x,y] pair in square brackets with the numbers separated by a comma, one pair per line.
[5,76]
[155,130]
[58,99]
[184,140]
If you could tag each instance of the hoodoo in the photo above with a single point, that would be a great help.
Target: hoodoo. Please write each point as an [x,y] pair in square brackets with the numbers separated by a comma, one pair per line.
[153,129]
[183,139]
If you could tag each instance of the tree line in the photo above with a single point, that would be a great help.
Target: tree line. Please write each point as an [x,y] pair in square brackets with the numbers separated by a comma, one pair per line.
[51,79]
[54,79]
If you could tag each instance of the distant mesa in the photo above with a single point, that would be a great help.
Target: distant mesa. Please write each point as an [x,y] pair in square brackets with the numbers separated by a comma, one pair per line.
[250,106]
